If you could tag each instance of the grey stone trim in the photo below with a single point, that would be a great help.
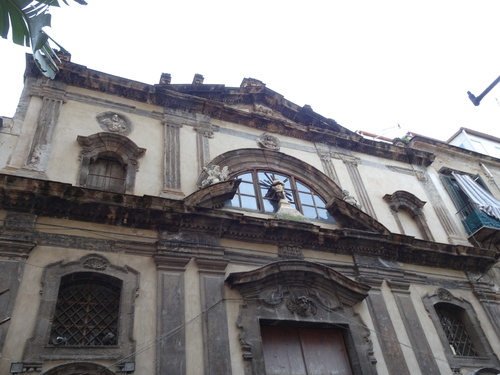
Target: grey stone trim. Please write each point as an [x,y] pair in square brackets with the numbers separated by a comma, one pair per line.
[38,347]
[10,278]
[171,347]
[387,337]
[111,105]
[17,239]
[418,340]
[53,98]
[217,356]
[253,137]
[361,192]
[172,160]
[406,171]
[486,356]
[271,294]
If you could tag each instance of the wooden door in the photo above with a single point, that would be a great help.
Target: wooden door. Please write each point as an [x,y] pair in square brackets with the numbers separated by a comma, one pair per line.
[304,351]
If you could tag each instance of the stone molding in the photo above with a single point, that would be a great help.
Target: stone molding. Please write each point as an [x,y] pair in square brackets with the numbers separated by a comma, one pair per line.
[38,348]
[304,293]
[410,203]
[486,356]
[101,144]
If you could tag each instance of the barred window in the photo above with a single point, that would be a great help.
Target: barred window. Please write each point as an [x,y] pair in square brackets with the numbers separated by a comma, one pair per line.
[451,320]
[87,310]
[255,193]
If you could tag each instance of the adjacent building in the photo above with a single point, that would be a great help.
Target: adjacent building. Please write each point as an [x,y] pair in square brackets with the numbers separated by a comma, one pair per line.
[204,229]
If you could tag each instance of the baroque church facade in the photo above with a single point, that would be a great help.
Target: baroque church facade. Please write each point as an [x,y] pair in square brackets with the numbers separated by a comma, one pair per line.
[203,229]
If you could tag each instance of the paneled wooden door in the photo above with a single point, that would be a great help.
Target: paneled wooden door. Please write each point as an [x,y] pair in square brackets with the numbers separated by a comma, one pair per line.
[304,351]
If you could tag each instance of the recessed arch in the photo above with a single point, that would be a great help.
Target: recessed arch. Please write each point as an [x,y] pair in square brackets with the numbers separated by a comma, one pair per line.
[403,200]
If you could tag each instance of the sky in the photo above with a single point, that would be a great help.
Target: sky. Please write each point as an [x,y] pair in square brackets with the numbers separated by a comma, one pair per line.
[370,65]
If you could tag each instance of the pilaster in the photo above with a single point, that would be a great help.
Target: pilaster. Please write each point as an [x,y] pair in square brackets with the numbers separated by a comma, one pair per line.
[386,333]
[215,329]
[418,340]
[172,162]
[351,163]
[171,348]
[53,97]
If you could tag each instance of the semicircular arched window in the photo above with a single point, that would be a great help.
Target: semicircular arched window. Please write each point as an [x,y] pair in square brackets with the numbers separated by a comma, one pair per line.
[255,193]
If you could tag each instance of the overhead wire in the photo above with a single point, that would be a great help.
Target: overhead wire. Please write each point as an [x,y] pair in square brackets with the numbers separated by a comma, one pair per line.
[152,343]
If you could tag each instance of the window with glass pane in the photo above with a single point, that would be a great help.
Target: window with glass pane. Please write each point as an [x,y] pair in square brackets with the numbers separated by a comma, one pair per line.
[255,193]
[86,311]
[451,320]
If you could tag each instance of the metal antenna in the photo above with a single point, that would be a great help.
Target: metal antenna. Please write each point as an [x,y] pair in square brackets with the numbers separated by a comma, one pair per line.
[477,99]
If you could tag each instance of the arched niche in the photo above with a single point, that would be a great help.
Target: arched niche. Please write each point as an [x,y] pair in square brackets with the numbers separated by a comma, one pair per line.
[403,200]
[301,294]
[114,146]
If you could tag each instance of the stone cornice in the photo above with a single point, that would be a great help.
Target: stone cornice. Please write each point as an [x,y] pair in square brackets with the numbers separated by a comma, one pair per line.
[217,101]
[58,200]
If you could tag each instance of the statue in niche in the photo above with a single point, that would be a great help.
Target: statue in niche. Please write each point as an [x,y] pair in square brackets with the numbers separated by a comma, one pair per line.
[349,198]
[215,175]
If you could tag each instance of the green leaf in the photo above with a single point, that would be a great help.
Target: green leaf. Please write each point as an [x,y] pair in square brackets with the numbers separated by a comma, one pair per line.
[27,20]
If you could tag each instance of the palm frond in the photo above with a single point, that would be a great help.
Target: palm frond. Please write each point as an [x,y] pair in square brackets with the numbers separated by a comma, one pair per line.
[26,19]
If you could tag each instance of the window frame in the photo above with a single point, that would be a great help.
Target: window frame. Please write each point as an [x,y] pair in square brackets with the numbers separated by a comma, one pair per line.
[38,349]
[119,147]
[293,190]
[65,310]
[486,356]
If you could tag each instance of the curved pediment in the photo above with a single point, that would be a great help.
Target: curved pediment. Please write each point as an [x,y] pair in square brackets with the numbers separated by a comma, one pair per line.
[289,277]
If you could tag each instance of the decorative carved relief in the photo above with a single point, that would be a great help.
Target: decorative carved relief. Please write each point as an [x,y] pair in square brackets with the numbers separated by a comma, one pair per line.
[263,109]
[307,293]
[349,199]
[114,123]
[290,252]
[215,175]
[301,305]
[444,295]
[268,141]
[96,263]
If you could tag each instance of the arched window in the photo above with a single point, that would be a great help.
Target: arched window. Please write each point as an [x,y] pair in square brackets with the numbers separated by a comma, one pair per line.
[87,310]
[255,193]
